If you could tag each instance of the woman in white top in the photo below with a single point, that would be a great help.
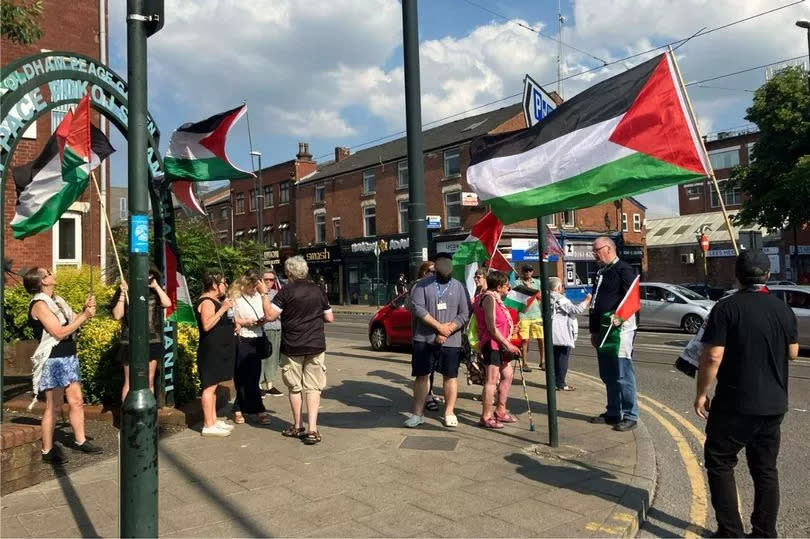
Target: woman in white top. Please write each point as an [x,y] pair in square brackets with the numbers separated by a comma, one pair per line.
[564,329]
[272,330]
[249,315]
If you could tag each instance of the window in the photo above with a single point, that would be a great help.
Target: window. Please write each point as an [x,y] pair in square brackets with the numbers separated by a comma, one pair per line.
[320,192]
[58,114]
[369,182]
[67,240]
[336,227]
[268,196]
[122,209]
[567,218]
[624,222]
[750,148]
[369,221]
[731,197]
[403,216]
[240,203]
[285,234]
[724,158]
[254,193]
[452,204]
[548,220]
[284,193]
[320,228]
[636,222]
[452,166]
[402,174]
[694,192]
[223,212]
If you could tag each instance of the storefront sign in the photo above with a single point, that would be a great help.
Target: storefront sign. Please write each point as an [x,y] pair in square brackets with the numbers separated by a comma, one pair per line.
[578,250]
[469,199]
[631,252]
[803,249]
[271,257]
[447,246]
[434,222]
[383,245]
[719,253]
[320,255]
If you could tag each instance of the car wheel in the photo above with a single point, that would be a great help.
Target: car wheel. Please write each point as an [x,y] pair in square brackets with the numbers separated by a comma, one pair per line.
[691,323]
[378,338]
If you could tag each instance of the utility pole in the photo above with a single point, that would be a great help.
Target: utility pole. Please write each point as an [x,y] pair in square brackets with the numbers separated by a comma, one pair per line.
[259,209]
[548,346]
[417,226]
[560,22]
[138,460]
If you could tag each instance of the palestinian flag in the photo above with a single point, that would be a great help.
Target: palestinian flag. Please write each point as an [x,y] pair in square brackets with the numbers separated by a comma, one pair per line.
[197,150]
[181,310]
[479,247]
[618,340]
[500,263]
[627,135]
[520,297]
[48,185]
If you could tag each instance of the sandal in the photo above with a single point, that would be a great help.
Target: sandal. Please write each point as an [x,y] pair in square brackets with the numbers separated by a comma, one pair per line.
[542,366]
[263,418]
[238,418]
[490,423]
[311,438]
[432,405]
[566,388]
[505,418]
[292,432]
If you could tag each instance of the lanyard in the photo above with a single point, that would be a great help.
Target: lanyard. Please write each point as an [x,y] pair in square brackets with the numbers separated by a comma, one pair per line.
[439,292]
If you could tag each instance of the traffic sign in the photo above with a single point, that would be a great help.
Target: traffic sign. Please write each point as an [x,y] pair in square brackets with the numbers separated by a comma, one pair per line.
[434,222]
[704,243]
[537,104]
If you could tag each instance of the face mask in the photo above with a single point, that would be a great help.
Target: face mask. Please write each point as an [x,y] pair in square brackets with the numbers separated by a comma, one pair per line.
[443,278]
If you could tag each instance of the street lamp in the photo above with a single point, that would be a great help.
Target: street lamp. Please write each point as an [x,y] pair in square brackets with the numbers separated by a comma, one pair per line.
[804,23]
[259,209]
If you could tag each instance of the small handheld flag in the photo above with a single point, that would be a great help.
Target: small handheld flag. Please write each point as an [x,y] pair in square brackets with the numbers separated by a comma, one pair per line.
[630,305]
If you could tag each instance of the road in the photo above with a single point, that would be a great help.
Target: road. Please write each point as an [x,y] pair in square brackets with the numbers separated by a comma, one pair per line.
[666,397]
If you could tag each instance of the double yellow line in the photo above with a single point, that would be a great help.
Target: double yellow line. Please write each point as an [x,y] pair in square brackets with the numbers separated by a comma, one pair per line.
[698,510]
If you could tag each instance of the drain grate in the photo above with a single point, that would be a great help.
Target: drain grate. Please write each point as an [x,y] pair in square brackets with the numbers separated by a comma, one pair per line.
[432,443]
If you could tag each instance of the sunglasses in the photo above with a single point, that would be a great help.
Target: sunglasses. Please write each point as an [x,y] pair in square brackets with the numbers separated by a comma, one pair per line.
[270,279]
[596,250]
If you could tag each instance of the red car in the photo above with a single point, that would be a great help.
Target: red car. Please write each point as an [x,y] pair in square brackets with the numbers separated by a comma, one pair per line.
[391,325]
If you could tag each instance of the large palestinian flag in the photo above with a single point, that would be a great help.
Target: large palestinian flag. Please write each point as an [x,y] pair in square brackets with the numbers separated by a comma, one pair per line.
[48,185]
[197,150]
[627,135]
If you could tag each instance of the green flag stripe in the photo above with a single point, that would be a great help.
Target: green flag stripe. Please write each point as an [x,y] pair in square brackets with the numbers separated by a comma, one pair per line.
[212,168]
[468,252]
[631,175]
[184,314]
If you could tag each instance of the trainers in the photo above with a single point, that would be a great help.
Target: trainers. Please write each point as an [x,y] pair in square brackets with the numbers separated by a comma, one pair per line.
[604,419]
[87,447]
[273,392]
[414,421]
[624,425]
[215,432]
[224,426]
[54,456]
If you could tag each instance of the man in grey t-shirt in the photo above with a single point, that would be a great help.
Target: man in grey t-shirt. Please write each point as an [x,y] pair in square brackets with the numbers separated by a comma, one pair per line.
[440,307]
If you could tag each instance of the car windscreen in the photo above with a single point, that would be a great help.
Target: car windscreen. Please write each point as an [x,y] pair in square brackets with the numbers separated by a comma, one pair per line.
[688,294]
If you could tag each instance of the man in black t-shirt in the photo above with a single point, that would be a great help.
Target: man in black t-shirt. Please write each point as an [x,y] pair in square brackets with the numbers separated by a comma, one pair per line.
[303,308]
[749,338]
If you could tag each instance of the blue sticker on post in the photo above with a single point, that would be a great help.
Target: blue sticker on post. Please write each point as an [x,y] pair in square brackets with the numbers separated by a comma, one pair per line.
[139,234]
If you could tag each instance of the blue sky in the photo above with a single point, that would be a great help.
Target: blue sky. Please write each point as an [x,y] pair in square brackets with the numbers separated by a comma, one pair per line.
[329,72]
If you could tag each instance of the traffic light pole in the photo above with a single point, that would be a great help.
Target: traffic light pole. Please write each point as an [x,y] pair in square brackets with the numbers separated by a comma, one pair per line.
[548,346]
[417,227]
[138,459]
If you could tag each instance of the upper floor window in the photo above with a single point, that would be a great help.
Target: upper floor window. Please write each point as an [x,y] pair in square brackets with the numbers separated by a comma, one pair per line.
[403,216]
[369,221]
[223,212]
[624,222]
[402,174]
[320,192]
[320,227]
[253,199]
[369,182]
[284,193]
[724,158]
[240,203]
[694,192]
[731,197]
[268,196]
[452,204]
[452,164]
[122,209]
[567,218]
[636,222]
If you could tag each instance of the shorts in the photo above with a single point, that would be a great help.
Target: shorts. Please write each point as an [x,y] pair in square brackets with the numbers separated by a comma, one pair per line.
[59,372]
[428,357]
[496,358]
[304,373]
[531,328]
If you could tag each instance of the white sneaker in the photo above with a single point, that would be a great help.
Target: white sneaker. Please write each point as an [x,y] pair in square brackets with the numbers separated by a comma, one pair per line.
[224,426]
[215,432]
[414,421]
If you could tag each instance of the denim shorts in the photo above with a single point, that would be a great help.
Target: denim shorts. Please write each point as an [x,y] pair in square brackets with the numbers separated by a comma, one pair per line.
[428,357]
[59,372]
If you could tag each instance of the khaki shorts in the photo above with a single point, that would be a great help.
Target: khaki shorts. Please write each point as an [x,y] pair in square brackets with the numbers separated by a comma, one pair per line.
[531,328]
[304,373]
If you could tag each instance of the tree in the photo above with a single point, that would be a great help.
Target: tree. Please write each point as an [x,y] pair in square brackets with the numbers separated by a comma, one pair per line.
[777,180]
[20,21]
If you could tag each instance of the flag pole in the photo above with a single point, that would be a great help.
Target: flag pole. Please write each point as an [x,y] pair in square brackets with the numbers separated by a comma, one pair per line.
[705,151]
[103,210]
[548,351]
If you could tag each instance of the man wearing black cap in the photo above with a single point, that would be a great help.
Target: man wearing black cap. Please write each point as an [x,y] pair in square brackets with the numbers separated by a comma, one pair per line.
[749,338]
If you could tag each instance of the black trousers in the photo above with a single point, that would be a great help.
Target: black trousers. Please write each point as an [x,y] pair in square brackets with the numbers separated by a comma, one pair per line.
[248,369]
[726,434]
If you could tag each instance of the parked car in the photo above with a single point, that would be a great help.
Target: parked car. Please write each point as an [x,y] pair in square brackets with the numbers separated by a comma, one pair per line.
[670,305]
[775,283]
[391,325]
[711,292]
[798,298]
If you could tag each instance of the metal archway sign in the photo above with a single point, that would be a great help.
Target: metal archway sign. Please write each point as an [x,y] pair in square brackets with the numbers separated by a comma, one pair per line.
[31,87]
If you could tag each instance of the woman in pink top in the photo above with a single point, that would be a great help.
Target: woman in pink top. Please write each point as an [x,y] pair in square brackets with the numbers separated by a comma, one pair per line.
[495,327]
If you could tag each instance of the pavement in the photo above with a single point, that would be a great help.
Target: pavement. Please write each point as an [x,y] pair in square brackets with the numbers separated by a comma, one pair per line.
[370,477]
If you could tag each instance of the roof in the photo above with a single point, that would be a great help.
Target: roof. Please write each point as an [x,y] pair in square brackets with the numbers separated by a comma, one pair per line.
[681,230]
[217,195]
[438,137]
[637,202]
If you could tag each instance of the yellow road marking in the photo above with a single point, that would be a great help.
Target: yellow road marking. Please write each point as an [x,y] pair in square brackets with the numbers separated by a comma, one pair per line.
[688,425]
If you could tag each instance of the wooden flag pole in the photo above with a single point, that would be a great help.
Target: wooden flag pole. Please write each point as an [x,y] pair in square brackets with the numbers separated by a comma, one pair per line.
[109,230]
[705,152]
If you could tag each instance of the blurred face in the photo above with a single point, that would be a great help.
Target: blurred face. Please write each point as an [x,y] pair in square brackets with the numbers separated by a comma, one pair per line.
[222,287]
[603,252]
[269,279]
[47,278]
[503,289]
[479,280]
[528,273]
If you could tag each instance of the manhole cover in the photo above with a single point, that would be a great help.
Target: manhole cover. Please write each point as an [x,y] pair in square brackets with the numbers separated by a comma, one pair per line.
[433,443]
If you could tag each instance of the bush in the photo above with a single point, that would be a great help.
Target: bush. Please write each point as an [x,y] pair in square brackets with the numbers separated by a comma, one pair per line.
[102,376]
[186,377]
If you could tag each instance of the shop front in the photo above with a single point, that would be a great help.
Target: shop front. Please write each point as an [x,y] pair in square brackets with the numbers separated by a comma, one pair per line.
[371,268]
[325,268]
[633,255]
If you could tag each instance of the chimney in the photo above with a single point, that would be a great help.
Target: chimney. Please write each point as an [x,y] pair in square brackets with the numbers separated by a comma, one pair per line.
[303,152]
[341,153]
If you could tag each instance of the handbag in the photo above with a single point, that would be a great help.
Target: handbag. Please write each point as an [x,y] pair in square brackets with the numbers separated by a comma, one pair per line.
[265,349]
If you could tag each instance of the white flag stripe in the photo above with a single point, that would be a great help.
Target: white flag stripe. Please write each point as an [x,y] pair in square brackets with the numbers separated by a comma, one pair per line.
[187,146]
[45,185]
[548,163]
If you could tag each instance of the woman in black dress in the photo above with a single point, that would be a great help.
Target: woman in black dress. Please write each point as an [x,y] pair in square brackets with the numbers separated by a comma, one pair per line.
[216,350]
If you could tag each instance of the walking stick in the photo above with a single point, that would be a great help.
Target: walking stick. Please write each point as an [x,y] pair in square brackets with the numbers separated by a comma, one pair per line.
[525,393]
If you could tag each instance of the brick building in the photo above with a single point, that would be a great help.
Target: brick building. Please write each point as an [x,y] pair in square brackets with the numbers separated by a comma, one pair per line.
[78,237]
[359,202]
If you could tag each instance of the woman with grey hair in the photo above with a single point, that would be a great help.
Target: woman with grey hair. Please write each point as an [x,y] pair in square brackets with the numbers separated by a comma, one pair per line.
[564,329]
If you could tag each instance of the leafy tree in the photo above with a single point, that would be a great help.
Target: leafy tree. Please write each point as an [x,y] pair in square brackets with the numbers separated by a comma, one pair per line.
[20,21]
[778,179]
